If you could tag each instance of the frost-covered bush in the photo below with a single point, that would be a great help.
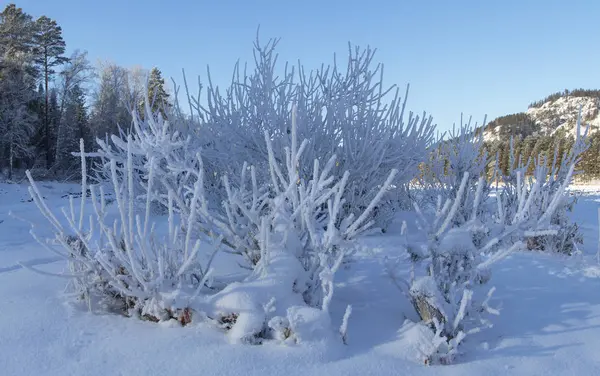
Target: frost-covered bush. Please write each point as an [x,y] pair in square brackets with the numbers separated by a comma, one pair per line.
[292,231]
[347,112]
[302,238]
[117,259]
[455,154]
[235,197]
[450,264]
[547,179]
[462,237]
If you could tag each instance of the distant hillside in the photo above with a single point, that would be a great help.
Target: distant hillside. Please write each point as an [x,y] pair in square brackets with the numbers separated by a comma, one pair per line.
[555,113]
[547,125]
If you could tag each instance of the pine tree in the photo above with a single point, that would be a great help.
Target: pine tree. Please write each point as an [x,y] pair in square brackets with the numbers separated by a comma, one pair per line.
[558,147]
[17,87]
[157,95]
[110,102]
[16,36]
[53,115]
[590,160]
[49,49]
[518,149]
[504,157]
[16,116]
[39,108]
[528,144]
[536,152]
[78,102]
[77,72]
[75,127]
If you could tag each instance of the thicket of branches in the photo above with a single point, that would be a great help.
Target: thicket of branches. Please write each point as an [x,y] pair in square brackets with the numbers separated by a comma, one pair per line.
[465,230]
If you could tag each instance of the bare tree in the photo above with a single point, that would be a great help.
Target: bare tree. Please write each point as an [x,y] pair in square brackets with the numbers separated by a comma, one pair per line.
[77,73]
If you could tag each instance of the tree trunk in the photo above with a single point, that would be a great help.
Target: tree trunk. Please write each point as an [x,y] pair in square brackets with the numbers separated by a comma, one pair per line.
[46,118]
[10,160]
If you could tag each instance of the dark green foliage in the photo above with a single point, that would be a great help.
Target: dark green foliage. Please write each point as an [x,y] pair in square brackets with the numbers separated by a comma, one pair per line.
[16,37]
[75,126]
[566,93]
[530,143]
[534,147]
[590,161]
[157,95]
[514,124]
[48,45]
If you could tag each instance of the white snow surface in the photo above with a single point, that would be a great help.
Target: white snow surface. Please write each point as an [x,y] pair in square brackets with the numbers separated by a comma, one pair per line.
[549,322]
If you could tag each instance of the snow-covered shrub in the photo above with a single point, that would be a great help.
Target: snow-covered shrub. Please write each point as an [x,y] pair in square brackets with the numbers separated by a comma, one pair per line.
[291,229]
[181,169]
[547,179]
[121,263]
[450,265]
[348,113]
[455,154]
[299,238]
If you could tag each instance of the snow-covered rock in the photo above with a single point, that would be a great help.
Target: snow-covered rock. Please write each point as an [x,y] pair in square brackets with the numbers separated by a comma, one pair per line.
[562,114]
[549,117]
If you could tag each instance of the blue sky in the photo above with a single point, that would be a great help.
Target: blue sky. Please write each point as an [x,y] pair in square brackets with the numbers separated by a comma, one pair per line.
[476,57]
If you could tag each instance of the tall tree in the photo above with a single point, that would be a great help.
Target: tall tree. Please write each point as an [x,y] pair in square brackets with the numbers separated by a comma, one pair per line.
[49,50]
[17,87]
[76,73]
[75,127]
[16,35]
[16,115]
[111,101]
[157,94]
[52,112]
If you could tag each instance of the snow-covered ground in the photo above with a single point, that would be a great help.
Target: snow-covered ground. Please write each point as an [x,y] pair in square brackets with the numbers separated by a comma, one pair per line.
[549,322]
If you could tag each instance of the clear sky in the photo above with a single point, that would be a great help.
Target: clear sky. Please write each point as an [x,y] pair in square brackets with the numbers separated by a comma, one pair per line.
[473,56]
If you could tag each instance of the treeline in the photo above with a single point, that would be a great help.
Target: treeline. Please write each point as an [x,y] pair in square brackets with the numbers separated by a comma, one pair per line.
[49,101]
[514,124]
[566,93]
[534,146]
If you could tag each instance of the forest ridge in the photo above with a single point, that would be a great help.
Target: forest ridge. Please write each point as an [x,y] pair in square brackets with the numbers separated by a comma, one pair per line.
[49,101]
[549,125]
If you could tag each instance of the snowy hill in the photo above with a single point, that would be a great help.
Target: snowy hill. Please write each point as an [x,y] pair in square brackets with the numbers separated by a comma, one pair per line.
[558,112]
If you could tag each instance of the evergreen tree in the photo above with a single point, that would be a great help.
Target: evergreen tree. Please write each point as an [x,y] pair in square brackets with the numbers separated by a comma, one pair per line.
[517,147]
[75,127]
[590,160]
[17,88]
[110,102]
[77,72]
[49,48]
[16,116]
[157,95]
[527,148]
[16,37]
[558,147]
[504,161]
[39,108]
[53,115]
